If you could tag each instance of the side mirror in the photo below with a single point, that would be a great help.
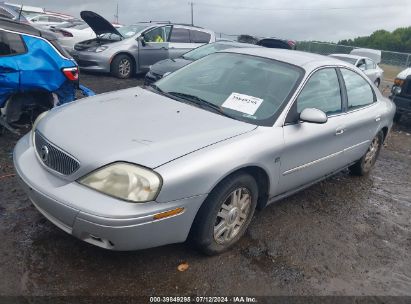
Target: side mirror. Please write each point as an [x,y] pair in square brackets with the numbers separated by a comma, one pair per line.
[313,115]
[142,40]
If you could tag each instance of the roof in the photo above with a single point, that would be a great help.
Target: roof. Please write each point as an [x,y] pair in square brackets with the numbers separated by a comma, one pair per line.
[348,56]
[298,58]
[10,25]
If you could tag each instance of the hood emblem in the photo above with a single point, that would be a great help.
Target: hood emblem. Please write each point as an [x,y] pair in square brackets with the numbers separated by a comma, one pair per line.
[44,153]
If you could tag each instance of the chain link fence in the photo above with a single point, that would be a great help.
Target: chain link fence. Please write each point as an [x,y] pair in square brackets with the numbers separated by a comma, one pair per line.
[387,57]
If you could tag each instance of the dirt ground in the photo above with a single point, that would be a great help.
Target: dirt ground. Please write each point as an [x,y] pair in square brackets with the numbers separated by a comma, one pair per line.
[344,236]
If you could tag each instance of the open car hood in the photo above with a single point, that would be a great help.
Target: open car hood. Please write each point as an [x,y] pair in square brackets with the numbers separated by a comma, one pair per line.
[98,24]
[374,55]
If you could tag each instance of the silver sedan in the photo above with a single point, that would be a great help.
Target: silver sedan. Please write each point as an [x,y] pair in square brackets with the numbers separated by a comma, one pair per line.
[194,155]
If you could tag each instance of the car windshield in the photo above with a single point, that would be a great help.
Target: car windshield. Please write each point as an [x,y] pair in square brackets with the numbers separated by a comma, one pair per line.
[207,49]
[243,87]
[346,59]
[131,30]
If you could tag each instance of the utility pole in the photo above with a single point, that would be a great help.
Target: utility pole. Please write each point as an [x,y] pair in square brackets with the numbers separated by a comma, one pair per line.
[116,15]
[192,12]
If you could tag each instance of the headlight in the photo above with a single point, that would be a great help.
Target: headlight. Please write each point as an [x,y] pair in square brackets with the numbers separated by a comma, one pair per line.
[125,181]
[100,49]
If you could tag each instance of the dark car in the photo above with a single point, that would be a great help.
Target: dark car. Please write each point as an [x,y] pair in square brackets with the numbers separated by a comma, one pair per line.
[36,73]
[401,93]
[159,69]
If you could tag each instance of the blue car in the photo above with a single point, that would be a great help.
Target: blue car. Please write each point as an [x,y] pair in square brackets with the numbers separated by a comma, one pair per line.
[36,74]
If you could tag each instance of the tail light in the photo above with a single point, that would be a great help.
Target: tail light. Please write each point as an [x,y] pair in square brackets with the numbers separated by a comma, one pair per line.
[71,73]
[65,33]
[398,82]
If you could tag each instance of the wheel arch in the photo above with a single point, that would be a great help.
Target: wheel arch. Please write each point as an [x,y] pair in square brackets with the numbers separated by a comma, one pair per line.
[133,59]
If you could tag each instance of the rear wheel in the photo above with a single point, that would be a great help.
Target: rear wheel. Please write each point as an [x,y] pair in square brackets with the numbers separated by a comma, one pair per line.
[122,66]
[366,163]
[225,215]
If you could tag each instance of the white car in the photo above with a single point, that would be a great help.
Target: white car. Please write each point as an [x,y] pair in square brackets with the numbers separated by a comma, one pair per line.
[366,60]
[71,36]
[46,20]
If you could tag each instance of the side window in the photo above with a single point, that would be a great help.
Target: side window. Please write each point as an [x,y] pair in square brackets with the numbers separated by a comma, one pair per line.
[156,35]
[369,64]
[11,44]
[361,64]
[359,91]
[55,19]
[199,37]
[322,91]
[180,35]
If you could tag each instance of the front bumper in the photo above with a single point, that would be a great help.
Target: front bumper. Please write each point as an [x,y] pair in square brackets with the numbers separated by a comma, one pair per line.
[97,218]
[403,104]
[90,61]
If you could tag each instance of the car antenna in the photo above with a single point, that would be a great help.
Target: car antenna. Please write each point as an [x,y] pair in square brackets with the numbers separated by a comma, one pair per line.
[20,11]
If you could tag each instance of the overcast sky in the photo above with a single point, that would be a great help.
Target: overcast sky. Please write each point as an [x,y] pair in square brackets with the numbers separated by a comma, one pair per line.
[325,20]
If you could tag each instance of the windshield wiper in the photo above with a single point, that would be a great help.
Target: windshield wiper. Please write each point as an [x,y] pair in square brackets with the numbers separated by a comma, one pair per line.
[201,103]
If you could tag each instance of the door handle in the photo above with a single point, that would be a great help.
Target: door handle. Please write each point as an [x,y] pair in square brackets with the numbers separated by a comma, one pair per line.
[339,131]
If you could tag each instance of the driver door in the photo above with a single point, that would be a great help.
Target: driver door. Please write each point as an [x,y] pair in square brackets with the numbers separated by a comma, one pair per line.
[153,47]
[314,150]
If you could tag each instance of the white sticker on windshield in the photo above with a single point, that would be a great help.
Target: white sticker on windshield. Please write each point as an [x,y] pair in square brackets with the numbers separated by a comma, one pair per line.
[243,103]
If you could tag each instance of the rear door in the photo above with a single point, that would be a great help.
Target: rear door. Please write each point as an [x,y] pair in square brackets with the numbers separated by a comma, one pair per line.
[363,114]
[11,46]
[154,48]
[314,150]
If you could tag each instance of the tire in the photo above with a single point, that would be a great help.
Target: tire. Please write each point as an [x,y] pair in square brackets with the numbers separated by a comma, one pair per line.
[214,234]
[397,117]
[366,163]
[377,82]
[122,66]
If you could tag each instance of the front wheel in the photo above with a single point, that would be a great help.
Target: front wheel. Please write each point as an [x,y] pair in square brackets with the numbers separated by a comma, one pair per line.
[366,163]
[225,215]
[122,66]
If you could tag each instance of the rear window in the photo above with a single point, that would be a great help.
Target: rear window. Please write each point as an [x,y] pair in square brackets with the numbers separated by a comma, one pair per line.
[11,44]
[180,35]
[199,37]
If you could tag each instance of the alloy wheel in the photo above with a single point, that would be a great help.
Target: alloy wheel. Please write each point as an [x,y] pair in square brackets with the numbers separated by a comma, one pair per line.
[124,67]
[232,215]
[371,154]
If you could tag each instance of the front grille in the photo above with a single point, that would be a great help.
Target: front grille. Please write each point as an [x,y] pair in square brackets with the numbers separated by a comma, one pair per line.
[53,157]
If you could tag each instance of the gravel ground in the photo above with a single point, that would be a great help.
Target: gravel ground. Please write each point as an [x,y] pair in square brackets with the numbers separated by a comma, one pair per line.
[343,236]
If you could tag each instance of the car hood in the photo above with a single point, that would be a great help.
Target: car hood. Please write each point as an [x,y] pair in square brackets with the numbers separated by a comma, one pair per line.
[169,65]
[134,125]
[98,24]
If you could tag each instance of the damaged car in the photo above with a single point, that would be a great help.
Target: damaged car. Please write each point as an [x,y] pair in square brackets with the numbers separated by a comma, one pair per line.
[132,49]
[196,153]
[36,74]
